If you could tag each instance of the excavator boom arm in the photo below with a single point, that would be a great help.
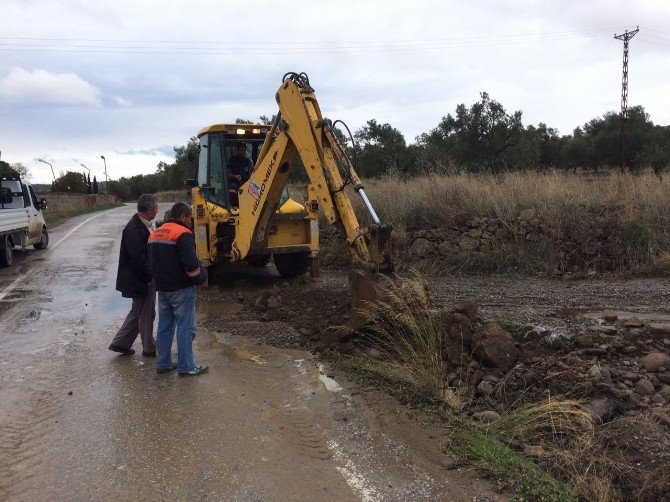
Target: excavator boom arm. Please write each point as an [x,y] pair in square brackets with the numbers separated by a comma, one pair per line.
[300,129]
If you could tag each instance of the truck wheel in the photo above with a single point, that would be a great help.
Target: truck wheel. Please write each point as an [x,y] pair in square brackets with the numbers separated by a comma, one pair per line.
[44,241]
[6,251]
[291,264]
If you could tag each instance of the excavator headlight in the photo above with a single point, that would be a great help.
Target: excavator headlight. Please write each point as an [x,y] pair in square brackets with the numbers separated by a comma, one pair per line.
[240,131]
[256,131]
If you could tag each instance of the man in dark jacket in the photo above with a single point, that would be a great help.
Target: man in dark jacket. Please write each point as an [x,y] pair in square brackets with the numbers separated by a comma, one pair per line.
[134,280]
[177,270]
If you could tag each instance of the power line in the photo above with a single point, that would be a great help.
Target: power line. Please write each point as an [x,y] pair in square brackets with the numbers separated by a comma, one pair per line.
[278,48]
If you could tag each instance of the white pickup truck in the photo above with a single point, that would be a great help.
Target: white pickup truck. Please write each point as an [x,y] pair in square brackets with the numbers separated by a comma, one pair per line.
[21,219]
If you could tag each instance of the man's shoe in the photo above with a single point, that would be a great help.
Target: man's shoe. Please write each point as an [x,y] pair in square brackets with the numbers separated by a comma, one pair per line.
[121,350]
[172,366]
[198,370]
[149,354]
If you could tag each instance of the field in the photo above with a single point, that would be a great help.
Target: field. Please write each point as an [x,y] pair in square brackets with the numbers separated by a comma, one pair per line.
[550,222]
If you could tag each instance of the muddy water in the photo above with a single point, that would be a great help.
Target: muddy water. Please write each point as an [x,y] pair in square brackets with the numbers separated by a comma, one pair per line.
[78,422]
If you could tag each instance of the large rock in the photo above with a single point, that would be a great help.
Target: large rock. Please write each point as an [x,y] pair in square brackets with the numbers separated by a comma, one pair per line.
[486,417]
[468,243]
[422,247]
[600,408]
[644,387]
[652,362]
[495,347]
[458,327]
[447,248]
[465,307]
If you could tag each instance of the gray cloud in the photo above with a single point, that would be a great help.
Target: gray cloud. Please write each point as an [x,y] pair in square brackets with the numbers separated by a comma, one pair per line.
[118,78]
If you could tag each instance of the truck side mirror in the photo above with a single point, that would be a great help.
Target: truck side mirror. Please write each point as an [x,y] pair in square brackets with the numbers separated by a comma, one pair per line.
[43,203]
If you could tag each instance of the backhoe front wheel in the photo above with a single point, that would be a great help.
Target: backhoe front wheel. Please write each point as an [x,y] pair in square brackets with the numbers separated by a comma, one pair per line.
[291,264]
[6,251]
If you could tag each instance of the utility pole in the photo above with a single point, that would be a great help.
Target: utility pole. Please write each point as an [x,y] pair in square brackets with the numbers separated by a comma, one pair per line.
[624,96]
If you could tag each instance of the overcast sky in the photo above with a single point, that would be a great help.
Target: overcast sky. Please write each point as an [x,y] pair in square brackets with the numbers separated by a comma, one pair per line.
[131,79]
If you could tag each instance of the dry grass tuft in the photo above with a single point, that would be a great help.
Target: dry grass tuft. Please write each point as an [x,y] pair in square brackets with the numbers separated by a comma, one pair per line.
[550,420]
[406,332]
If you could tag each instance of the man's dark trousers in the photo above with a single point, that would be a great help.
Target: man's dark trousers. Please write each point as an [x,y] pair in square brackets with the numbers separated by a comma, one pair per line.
[140,320]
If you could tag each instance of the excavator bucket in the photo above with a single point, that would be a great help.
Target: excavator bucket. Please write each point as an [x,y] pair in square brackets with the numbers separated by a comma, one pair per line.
[367,288]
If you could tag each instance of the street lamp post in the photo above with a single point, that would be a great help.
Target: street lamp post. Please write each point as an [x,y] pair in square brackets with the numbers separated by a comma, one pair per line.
[106,181]
[52,167]
[89,177]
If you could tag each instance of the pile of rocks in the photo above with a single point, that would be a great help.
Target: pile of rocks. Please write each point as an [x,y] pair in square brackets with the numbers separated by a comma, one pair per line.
[617,368]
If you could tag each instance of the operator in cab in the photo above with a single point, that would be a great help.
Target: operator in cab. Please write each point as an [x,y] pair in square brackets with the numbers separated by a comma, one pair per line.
[239,171]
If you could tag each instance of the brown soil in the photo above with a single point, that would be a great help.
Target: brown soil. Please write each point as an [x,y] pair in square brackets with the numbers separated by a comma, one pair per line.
[564,352]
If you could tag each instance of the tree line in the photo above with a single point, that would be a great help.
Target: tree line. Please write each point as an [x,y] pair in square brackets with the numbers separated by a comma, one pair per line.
[481,138]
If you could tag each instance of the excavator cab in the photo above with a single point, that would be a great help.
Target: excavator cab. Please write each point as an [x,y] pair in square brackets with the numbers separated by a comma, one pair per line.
[290,238]
[218,145]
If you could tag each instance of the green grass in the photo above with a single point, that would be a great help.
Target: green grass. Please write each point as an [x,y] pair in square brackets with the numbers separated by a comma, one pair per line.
[486,452]
[467,442]
[54,219]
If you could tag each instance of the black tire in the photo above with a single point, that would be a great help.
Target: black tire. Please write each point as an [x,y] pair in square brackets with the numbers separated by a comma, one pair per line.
[44,241]
[259,261]
[6,251]
[291,264]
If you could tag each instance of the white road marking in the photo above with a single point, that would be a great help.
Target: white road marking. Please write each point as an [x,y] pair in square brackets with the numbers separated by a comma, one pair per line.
[352,475]
[21,277]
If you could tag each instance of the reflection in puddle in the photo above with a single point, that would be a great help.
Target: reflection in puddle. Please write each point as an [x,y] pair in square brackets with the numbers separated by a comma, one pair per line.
[318,373]
[330,384]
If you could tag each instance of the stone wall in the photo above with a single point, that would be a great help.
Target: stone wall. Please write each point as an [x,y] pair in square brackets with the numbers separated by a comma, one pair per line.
[64,203]
[525,242]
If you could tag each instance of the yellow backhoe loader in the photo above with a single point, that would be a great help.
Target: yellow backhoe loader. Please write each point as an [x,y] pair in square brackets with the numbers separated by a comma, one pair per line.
[254,219]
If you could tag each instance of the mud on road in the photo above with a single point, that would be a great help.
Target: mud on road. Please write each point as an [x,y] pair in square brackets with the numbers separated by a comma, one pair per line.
[78,422]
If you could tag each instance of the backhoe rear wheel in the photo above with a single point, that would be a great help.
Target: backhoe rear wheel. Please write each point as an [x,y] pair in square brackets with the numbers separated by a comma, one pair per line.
[6,251]
[291,264]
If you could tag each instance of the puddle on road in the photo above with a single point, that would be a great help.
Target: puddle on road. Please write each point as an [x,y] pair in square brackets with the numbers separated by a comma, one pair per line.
[218,309]
[269,414]
[623,315]
[318,372]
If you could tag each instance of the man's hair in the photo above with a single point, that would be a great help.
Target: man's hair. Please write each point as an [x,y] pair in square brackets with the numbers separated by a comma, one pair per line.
[241,144]
[180,209]
[145,202]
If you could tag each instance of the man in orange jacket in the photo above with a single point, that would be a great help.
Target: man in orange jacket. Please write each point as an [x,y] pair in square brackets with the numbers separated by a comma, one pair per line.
[176,271]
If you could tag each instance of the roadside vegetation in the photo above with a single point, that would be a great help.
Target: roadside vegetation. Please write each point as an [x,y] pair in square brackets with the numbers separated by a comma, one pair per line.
[552,222]
[540,438]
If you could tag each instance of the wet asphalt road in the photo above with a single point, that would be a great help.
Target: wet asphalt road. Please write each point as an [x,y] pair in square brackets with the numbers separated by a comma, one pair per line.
[78,422]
